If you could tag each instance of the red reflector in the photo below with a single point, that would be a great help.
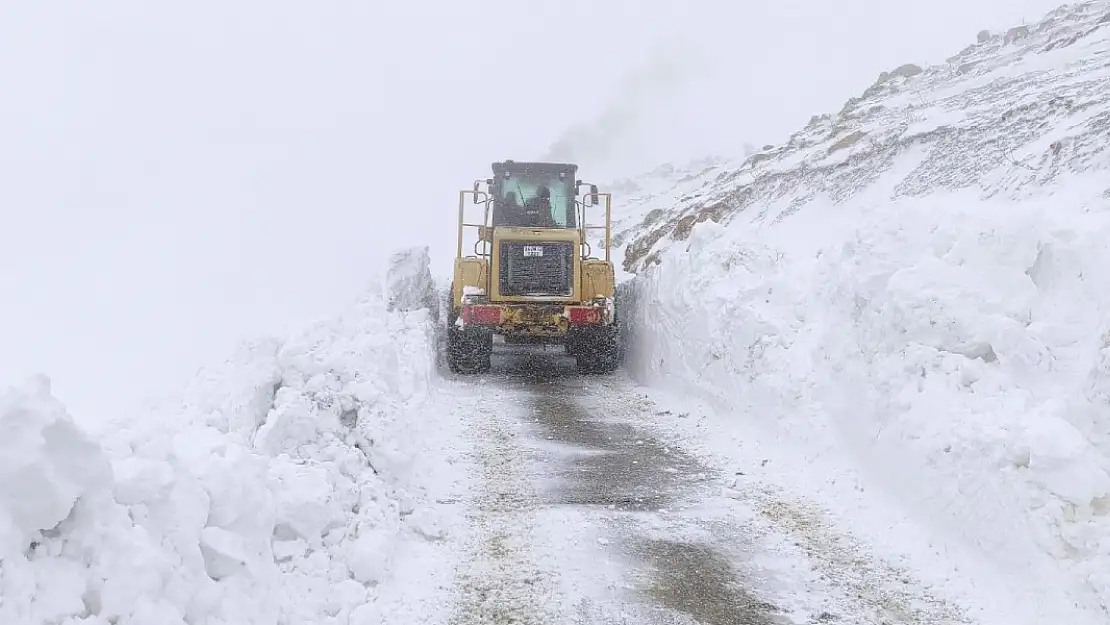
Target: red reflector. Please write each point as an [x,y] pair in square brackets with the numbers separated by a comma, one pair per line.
[582,315]
[482,315]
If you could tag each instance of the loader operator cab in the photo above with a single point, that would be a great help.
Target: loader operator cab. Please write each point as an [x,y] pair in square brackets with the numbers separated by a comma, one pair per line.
[530,195]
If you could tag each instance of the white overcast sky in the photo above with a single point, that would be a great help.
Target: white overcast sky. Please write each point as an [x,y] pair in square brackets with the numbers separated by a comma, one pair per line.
[175,177]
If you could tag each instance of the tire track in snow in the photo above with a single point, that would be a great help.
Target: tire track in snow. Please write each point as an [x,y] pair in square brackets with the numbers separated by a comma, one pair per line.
[550,483]
[832,576]
[500,582]
[586,511]
[634,478]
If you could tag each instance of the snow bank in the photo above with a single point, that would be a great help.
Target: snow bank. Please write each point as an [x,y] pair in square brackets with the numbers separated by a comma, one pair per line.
[408,283]
[914,290]
[279,491]
[958,348]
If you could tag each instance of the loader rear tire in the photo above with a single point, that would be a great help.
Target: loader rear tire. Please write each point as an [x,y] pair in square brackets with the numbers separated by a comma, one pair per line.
[597,351]
[469,351]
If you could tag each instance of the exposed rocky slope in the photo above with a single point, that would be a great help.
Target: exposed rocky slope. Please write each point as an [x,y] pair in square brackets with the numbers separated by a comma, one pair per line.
[1007,116]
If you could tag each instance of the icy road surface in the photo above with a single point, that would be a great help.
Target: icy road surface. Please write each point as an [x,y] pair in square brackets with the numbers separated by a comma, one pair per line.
[582,510]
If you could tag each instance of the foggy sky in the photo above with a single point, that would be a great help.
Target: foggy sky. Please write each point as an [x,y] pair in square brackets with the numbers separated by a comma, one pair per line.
[177,177]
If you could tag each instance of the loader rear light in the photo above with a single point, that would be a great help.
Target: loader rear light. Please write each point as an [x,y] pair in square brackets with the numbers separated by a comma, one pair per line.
[482,315]
[583,315]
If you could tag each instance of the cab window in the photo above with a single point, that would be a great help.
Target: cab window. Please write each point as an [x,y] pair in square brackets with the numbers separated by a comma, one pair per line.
[523,189]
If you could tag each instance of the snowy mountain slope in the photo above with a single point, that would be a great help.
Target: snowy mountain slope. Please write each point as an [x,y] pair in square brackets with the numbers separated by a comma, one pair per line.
[285,487]
[1007,116]
[914,291]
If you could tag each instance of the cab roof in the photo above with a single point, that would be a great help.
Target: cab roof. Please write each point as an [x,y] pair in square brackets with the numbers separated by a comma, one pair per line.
[538,167]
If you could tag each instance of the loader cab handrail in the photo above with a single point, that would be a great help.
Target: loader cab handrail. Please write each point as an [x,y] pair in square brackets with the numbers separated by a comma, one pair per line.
[598,198]
[463,225]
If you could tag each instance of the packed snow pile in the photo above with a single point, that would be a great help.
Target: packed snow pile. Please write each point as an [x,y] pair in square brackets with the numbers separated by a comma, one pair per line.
[407,281]
[281,490]
[919,283]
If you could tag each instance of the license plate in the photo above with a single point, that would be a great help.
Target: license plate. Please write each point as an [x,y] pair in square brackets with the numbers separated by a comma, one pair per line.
[533,250]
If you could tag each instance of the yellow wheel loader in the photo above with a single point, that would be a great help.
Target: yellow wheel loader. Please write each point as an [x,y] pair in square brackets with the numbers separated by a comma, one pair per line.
[532,275]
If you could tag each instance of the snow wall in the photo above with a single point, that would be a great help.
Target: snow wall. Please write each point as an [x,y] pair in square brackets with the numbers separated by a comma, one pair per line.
[957,350]
[917,287]
[277,491]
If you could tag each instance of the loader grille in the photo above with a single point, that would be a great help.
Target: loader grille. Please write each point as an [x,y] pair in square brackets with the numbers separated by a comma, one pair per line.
[531,268]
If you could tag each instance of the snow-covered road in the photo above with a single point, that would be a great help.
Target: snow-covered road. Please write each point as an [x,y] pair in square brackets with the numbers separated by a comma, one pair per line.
[583,507]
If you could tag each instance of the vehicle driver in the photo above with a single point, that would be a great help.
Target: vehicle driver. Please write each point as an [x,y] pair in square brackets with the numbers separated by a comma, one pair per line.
[537,209]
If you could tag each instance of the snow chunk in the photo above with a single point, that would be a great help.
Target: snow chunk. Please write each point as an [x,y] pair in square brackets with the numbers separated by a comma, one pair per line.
[370,556]
[224,553]
[409,281]
[1065,463]
[46,464]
